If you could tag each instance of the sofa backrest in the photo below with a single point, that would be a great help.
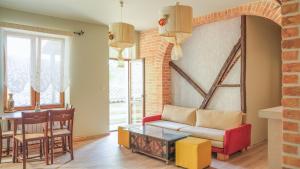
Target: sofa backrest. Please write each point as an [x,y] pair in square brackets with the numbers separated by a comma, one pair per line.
[179,114]
[218,119]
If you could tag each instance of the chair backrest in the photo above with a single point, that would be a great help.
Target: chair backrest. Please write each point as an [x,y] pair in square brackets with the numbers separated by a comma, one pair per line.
[35,117]
[65,117]
[29,118]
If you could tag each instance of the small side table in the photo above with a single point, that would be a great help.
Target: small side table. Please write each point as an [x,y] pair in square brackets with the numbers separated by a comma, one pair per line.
[193,153]
[123,136]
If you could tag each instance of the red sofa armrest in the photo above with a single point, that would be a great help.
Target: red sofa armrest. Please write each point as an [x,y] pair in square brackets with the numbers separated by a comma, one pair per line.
[237,139]
[151,118]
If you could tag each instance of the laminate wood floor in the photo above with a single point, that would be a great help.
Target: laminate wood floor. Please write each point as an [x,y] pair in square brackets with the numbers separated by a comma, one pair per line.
[104,153]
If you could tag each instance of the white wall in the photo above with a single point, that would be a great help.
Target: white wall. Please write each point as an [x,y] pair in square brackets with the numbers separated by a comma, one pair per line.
[263,72]
[88,72]
[203,56]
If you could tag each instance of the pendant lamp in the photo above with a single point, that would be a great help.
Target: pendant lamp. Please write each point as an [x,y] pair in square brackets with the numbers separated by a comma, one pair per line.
[121,36]
[175,26]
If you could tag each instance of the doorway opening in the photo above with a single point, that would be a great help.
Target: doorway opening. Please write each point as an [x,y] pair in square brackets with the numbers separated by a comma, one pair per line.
[126,92]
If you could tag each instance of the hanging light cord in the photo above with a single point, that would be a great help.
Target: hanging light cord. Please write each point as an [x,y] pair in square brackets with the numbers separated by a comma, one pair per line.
[122,5]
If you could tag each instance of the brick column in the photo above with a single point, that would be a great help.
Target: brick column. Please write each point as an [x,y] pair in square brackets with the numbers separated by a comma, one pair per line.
[290,83]
[157,54]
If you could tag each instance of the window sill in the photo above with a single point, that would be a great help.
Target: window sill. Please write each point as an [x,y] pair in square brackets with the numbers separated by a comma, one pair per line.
[53,107]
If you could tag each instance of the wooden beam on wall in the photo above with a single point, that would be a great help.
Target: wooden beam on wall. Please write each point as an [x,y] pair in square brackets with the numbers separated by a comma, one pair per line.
[243,65]
[279,2]
[221,74]
[188,79]
[229,85]
[235,59]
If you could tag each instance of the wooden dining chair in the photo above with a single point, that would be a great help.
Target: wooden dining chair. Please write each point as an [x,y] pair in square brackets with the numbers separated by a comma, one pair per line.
[30,118]
[5,135]
[65,118]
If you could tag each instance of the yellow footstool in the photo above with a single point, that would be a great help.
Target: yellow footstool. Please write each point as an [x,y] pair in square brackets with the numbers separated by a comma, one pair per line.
[123,136]
[193,153]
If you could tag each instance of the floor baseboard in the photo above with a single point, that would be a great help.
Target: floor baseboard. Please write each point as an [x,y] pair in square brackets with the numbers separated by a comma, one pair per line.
[86,138]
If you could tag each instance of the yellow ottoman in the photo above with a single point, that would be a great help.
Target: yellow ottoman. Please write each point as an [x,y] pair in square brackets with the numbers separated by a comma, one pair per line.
[193,153]
[123,136]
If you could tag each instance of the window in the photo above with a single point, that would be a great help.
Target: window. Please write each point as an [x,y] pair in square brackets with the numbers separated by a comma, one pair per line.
[34,70]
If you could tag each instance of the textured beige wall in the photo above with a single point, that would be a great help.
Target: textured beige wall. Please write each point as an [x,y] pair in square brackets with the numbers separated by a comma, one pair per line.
[263,72]
[88,68]
[204,53]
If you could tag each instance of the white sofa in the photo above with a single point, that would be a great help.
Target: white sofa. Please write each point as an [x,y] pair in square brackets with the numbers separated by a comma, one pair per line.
[223,129]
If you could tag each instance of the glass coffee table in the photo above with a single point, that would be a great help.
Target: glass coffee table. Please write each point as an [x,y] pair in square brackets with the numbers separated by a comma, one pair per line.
[155,141]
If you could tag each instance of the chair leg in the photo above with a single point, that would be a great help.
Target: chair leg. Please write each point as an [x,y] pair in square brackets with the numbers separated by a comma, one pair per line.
[41,150]
[27,150]
[14,150]
[64,147]
[0,150]
[18,150]
[71,147]
[46,147]
[7,146]
[52,149]
[24,154]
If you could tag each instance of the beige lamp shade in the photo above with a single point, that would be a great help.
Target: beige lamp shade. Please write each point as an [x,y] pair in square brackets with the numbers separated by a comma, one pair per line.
[121,35]
[175,26]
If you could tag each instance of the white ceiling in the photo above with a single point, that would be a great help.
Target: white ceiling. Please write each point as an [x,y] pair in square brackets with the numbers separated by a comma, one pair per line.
[141,13]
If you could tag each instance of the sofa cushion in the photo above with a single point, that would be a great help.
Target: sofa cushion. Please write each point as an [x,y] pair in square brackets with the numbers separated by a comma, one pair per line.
[178,114]
[218,119]
[206,133]
[167,124]
[218,144]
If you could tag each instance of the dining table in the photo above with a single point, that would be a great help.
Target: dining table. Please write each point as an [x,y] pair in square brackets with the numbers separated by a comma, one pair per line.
[11,117]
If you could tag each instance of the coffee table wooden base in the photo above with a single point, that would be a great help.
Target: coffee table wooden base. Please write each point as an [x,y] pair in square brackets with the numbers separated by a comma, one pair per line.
[153,147]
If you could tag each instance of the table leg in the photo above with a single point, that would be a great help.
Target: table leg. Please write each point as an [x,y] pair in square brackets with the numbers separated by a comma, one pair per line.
[8,139]
[7,146]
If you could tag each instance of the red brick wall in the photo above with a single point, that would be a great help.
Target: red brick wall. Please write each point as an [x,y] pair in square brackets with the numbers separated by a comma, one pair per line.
[291,85]
[157,72]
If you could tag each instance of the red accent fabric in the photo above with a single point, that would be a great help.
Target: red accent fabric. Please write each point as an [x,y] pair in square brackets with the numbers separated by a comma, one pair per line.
[217,150]
[237,139]
[151,118]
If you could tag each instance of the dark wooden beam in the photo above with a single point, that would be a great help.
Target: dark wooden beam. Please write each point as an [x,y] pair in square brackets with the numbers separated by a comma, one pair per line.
[243,65]
[229,85]
[236,58]
[279,2]
[221,74]
[188,79]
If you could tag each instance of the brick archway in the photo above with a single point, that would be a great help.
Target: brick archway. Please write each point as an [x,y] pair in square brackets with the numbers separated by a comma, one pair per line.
[267,9]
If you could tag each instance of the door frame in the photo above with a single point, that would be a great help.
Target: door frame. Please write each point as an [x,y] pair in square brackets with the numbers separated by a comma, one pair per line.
[129,88]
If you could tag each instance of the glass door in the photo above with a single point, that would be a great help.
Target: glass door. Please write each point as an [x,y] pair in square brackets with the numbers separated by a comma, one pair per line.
[126,93]
[136,91]
[118,94]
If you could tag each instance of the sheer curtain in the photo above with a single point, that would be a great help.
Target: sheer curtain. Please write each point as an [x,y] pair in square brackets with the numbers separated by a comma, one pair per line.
[49,67]
[36,61]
